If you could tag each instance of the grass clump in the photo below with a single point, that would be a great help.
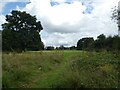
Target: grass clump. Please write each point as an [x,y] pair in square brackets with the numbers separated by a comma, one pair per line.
[61,69]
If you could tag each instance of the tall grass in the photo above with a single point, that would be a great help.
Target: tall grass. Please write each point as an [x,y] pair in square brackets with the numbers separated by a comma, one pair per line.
[61,69]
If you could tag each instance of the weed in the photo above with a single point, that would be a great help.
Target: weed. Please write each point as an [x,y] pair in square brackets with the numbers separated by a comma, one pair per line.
[61,69]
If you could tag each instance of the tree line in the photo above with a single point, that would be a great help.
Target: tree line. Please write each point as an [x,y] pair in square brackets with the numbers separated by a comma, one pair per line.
[61,47]
[110,43]
[21,33]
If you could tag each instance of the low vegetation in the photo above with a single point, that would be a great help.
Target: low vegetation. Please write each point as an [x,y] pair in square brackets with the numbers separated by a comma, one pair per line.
[61,69]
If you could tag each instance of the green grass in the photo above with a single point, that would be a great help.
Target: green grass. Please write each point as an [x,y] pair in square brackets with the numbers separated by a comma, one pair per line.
[61,69]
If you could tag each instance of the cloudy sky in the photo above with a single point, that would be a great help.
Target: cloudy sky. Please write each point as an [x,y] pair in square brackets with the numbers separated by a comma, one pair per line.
[66,21]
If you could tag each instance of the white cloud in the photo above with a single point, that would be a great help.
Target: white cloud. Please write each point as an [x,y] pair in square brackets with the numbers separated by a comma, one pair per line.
[2,5]
[66,24]
[2,17]
[2,20]
[4,2]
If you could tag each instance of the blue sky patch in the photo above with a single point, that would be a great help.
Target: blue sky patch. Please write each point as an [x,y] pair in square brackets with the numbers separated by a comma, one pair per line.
[12,5]
[88,5]
[54,3]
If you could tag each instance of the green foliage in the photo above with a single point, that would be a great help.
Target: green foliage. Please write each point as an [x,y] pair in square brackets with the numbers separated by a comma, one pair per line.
[85,44]
[72,48]
[61,69]
[100,70]
[21,32]
[101,43]
[50,48]
[61,47]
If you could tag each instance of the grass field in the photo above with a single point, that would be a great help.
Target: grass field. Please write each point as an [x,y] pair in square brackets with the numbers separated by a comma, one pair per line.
[61,69]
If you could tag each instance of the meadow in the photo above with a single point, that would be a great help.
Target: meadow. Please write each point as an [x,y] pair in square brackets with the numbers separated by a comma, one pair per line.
[61,69]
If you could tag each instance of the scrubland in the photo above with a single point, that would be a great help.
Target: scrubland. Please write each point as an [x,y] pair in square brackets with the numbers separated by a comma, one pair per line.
[61,69]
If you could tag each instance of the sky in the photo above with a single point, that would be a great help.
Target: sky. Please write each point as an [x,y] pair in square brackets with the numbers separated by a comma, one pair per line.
[66,21]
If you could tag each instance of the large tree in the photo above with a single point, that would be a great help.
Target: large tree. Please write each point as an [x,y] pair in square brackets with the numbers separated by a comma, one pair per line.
[85,43]
[21,32]
[100,42]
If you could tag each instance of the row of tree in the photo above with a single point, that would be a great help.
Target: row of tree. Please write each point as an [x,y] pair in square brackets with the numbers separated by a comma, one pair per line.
[101,43]
[88,43]
[61,47]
